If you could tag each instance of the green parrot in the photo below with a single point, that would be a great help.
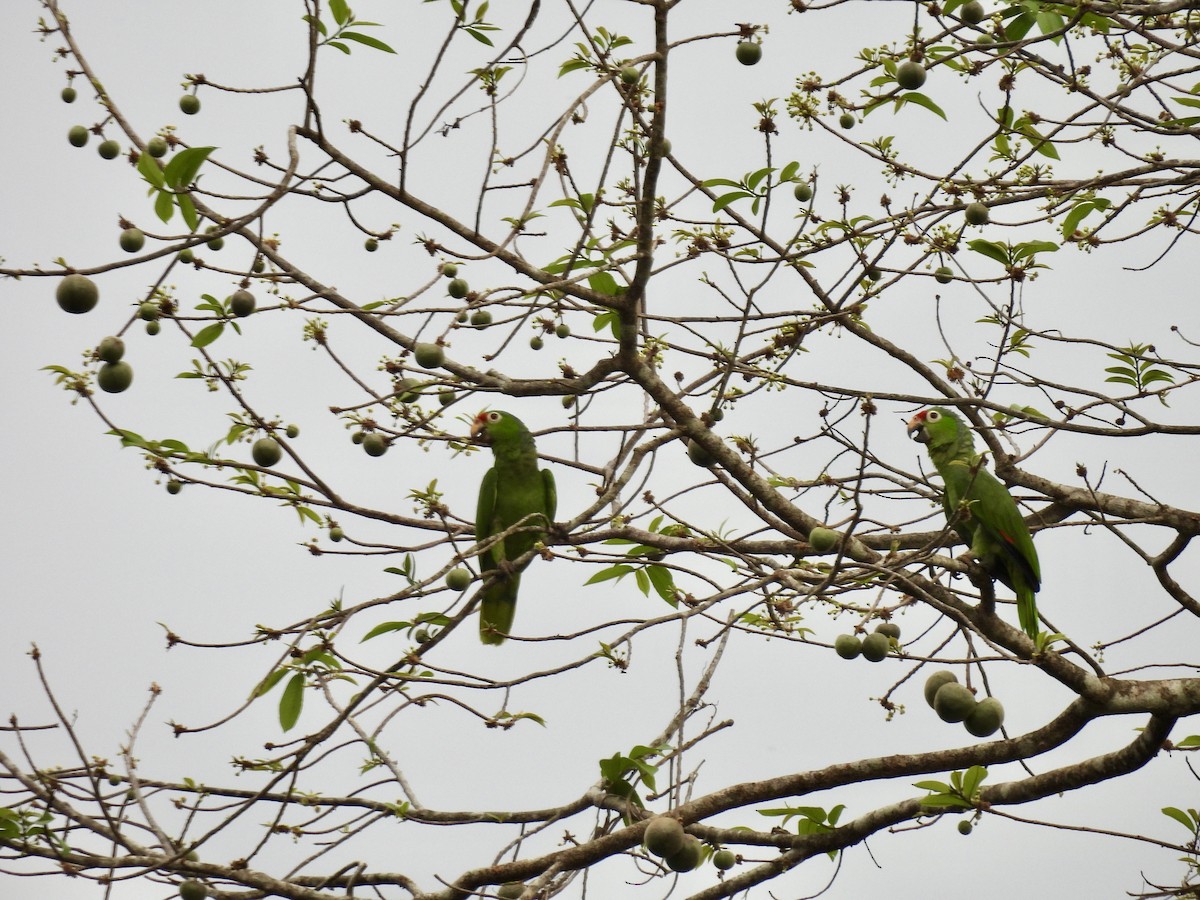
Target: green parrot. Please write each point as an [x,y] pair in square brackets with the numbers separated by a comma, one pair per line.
[981,509]
[513,491]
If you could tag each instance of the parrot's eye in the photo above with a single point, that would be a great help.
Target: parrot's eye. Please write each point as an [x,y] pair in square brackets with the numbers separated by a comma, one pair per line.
[493,417]
[932,416]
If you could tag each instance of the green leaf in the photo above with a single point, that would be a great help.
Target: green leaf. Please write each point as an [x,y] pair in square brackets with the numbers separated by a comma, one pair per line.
[151,170]
[270,681]
[937,787]
[1181,817]
[340,10]
[164,205]
[920,100]
[188,208]
[366,40]
[291,702]
[184,167]
[605,283]
[723,201]
[208,334]
[479,36]
[991,250]
[618,571]
[663,583]
[339,46]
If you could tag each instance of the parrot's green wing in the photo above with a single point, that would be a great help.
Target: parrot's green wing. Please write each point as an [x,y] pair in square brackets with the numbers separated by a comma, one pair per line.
[550,494]
[484,510]
[1002,544]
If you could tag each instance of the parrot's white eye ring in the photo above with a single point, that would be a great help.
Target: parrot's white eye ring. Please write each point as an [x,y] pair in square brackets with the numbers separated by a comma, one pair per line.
[932,416]
[493,417]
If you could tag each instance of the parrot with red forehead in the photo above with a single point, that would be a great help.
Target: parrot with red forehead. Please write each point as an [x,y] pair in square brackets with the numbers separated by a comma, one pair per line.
[513,491]
[980,508]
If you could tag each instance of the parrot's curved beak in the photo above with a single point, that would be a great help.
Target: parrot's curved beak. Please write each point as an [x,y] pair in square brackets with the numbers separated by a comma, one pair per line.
[916,429]
[478,431]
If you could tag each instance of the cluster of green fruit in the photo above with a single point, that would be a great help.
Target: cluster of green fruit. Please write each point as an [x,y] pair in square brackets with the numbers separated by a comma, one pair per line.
[874,647]
[373,443]
[954,702]
[665,838]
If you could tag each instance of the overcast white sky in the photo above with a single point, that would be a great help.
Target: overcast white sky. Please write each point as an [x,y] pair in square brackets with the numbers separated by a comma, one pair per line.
[97,557]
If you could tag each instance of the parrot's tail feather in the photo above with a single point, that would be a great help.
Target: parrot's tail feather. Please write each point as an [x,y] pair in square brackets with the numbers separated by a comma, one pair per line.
[1027,610]
[498,609]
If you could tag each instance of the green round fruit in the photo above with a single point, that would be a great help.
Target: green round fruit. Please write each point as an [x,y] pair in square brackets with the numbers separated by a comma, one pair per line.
[446,396]
[724,860]
[429,356]
[109,149]
[186,255]
[748,53]
[156,147]
[370,245]
[972,13]
[481,318]
[803,191]
[266,451]
[192,890]
[215,244]
[242,303]
[78,135]
[292,431]
[358,437]
[873,273]
[110,350]
[666,147]
[115,377]
[421,635]
[511,890]
[132,240]
[336,533]
[77,293]
[943,275]
[153,328]
[977,214]
[406,389]
[716,414]
[823,539]
[847,646]
[986,718]
[69,94]
[687,857]
[910,75]
[699,455]
[965,827]
[985,39]
[890,629]
[875,647]
[174,486]
[664,836]
[562,330]
[568,401]
[458,288]
[536,342]
[189,104]
[953,702]
[258,265]
[375,444]
[450,269]
[458,579]
[629,75]
[149,311]
[847,120]
[935,681]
